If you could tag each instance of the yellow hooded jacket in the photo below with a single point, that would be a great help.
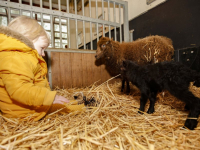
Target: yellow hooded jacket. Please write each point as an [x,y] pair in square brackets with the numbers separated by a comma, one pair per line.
[24,89]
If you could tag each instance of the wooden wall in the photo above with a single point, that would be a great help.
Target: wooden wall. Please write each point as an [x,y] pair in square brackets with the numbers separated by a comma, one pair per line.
[76,70]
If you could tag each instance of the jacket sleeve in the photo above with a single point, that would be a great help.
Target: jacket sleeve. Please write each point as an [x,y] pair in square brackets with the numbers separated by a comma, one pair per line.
[17,74]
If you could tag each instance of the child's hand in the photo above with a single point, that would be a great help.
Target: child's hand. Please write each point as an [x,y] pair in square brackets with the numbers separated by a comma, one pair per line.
[60,100]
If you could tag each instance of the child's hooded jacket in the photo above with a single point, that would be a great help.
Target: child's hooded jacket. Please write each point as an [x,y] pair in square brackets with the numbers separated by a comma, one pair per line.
[24,89]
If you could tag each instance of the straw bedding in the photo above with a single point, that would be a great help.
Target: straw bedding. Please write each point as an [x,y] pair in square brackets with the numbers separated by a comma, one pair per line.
[114,124]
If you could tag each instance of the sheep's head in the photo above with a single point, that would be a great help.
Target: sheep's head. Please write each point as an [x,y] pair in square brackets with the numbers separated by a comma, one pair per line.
[104,48]
[124,67]
[127,67]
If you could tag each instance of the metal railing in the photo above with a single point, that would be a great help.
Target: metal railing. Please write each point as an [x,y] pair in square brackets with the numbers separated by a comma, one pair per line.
[120,11]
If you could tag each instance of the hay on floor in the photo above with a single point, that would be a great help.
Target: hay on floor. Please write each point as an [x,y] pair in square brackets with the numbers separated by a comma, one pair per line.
[115,124]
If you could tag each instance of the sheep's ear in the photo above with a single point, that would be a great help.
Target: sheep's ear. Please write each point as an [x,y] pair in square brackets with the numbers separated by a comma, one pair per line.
[109,41]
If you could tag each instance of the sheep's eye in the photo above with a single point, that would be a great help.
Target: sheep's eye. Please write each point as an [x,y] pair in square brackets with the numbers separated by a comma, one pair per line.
[103,46]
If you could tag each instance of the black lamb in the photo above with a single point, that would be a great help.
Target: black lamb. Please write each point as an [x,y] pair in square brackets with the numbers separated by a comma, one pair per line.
[171,76]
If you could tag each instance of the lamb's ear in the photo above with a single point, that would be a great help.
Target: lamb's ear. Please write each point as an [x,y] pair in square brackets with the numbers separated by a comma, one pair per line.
[123,67]
[124,63]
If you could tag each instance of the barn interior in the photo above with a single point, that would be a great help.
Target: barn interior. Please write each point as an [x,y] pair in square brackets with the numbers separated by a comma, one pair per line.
[75,27]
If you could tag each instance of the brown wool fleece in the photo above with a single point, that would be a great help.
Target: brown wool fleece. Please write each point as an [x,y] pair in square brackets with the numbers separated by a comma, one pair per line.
[151,49]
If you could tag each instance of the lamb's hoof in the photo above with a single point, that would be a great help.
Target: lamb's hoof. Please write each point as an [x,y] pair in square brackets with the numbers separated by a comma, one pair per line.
[191,124]
[140,112]
[128,91]
[150,111]
[187,107]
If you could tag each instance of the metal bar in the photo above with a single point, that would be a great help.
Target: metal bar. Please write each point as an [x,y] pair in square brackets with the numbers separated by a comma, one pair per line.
[9,15]
[41,14]
[91,38]
[20,11]
[84,35]
[75,7]
[108,10]
[115,32]
[50,4]
[58,13]
[76,26]
[131,35]
[103,32]
[109,31]
[83,10]
[69,50]
[96,10]
[52,31]
[67,3]
[59,5]
[49,68]
[109,19]
[90,8]
[31,4]
[120,29]
[126,22]
[41,4]
[60,27]
[117,1]
[114,12]
[103,8]
[68,33]
[97,25]
[51,25]
[97,29]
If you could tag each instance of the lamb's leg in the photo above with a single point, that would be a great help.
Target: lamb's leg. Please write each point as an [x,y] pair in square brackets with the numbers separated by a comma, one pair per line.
[143,101]
[152,99]
[127,86]
[122,88]
[191,121]
[187,107]
[194,106]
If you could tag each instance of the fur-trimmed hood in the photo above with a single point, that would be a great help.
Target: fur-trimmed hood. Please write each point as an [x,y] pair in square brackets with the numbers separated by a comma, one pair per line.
[12,40]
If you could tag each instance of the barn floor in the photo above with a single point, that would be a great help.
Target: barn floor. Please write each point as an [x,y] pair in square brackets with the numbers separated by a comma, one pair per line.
[115,124]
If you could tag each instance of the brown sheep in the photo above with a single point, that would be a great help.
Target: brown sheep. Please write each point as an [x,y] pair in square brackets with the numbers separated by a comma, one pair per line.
[148,50]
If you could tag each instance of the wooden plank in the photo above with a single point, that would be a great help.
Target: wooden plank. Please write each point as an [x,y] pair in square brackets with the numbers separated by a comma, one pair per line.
[85,58]
[96,70]
[68,70]
[65,70]
[62,70]
[77,73]
[90,77]
[55,63]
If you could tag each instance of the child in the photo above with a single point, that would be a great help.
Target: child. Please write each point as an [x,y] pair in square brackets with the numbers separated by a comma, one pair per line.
[24,89]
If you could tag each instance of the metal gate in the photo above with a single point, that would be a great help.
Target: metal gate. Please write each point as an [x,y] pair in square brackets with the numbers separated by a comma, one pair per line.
[56,14]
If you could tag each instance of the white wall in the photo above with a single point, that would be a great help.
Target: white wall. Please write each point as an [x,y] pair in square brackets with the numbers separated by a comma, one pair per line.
[138,7]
